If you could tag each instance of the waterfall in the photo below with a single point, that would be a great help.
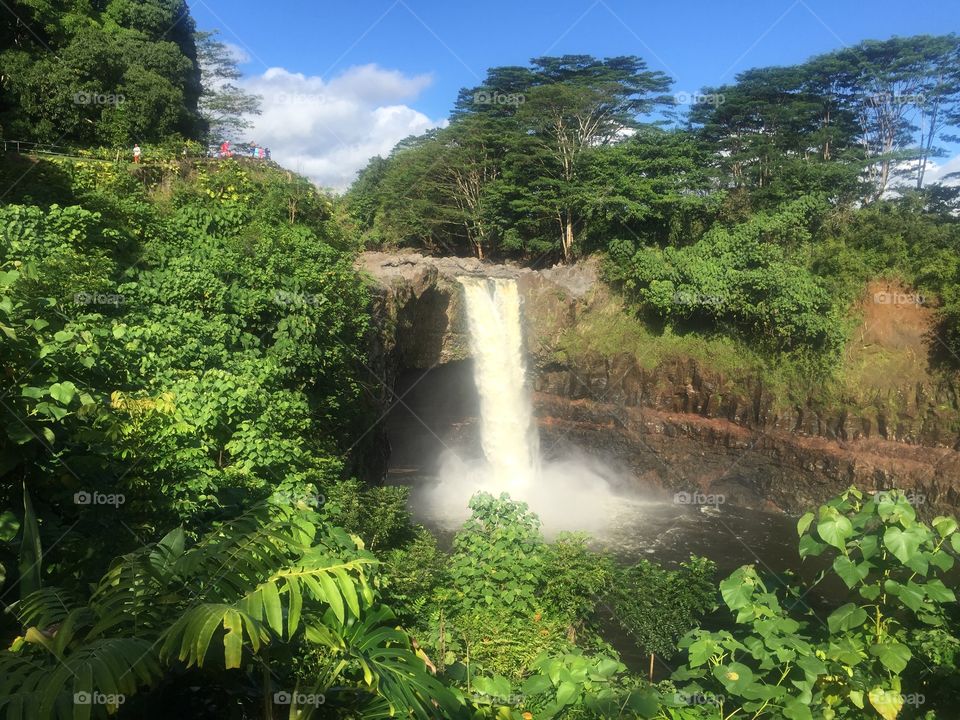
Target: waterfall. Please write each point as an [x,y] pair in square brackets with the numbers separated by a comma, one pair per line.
[507,429]
[568,492]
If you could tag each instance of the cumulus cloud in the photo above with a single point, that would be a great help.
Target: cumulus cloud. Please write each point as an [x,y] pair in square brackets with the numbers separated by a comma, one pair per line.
[936,172]
[905,175]
[329,129]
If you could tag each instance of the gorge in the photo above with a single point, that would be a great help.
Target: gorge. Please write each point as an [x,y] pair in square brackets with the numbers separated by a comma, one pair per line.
[675,424]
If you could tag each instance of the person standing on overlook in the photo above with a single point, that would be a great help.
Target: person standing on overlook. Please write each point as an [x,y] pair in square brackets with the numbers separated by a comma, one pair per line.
[136,153]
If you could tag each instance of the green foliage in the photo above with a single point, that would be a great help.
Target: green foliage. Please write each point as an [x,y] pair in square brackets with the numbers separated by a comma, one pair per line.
[174,349]
[852,663]
[571,685]
[168,606]
[508,174]
[110,73]
[744,280]
[498,557]
[657,606]
[575,577]
[379,515]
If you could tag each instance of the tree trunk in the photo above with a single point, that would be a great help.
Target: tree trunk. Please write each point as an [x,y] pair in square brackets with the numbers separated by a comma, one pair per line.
[928,146]
[568,237]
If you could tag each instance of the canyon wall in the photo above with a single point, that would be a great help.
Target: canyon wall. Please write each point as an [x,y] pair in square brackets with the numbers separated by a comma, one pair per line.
[681,423]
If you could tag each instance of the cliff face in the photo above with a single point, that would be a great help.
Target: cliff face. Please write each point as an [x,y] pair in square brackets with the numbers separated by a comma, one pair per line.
[680,422]
[418,303]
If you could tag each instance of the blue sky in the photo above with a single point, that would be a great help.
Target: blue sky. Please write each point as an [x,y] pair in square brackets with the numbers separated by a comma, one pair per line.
[426,50]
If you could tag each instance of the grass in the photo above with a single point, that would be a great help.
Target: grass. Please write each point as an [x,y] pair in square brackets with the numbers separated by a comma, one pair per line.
[607,328]
[863,376]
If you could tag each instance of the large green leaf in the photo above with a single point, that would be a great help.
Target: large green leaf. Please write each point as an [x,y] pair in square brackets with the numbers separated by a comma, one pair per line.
[846,617]
[904,544]
[892,654]
[737,590]
[849,571]
[833,528]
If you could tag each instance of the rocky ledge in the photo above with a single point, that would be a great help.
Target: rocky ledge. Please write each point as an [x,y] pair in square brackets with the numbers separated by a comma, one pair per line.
[670,452]
[418,303]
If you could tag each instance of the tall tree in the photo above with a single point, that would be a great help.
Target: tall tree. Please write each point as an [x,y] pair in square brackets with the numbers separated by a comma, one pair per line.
[903,91]
[224,106]
[578,102]
[551,114]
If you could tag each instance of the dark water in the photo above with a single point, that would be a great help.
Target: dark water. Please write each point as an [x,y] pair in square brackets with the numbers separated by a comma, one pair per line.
[437,412]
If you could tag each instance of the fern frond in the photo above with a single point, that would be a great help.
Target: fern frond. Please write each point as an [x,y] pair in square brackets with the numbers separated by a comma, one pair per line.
[47,687]
[391,668]
[44,608]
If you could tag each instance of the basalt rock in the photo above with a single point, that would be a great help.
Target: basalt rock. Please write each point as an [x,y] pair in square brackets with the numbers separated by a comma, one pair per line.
[419,308]
[682,424]
[774,469]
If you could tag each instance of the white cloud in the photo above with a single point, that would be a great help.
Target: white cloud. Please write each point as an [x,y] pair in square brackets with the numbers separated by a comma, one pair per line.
[239,54]
[936,171]
[905,175]
[328,130]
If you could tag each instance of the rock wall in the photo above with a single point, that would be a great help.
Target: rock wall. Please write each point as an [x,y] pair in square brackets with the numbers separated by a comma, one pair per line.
[683,425]
[770,469]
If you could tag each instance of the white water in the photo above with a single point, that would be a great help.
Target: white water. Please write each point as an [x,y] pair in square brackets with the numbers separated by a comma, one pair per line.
[508,434]
[572,493]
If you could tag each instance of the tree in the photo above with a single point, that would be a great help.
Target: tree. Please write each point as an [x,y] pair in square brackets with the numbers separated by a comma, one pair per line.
[779,132]
[876,109]
[224,106]
[576,103]
[109,75]
[474,161]
[892,85]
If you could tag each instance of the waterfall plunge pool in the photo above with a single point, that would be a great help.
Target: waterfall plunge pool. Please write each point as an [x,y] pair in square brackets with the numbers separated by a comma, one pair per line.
[439,415]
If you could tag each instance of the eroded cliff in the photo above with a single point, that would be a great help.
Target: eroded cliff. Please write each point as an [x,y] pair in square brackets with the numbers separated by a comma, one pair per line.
[681,415]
